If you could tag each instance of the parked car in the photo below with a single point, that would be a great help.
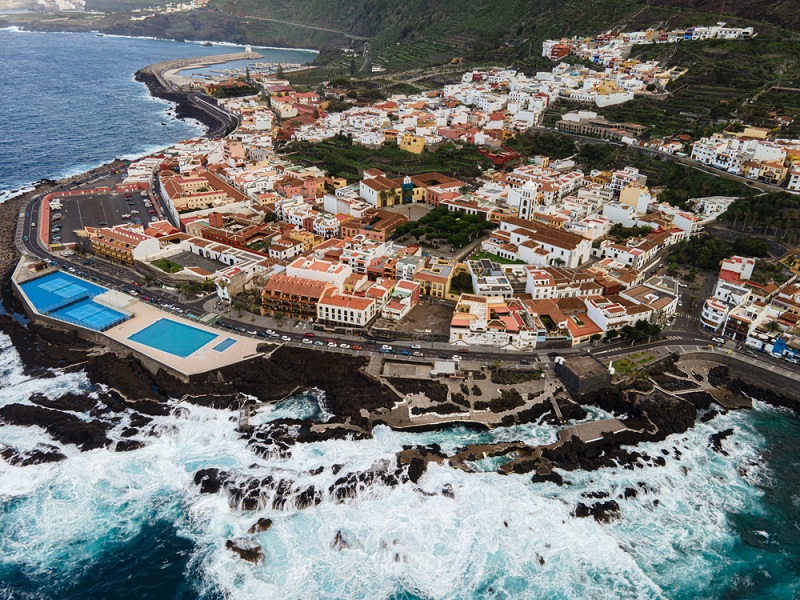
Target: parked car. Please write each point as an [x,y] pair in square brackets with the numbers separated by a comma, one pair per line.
[416,347]
[443,356]
[386,348]
[306,341]
[718,340]
[455,357]
[261,334]
[240,329]
[318,343]
[286,338]
[405,353]
[524,361]
[332,345]
[357,348]
[416,354]
[345,346]
[309,334]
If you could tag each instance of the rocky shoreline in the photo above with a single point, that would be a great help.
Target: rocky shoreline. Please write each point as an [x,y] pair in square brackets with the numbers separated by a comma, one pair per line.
[123,415]
[184,108]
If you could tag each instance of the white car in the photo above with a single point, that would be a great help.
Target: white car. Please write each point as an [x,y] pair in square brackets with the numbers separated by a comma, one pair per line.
[416,347]
[345,346]
[252,332]
[386,348]
[332,345]
[416,354]
[286,338]
[456,357]
[307,341]
[718,340]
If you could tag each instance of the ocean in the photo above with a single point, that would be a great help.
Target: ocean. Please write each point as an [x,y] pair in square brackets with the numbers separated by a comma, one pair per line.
[70,102]
[102,524]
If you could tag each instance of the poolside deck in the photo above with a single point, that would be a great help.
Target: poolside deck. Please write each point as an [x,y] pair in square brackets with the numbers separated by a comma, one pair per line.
[206,358]
[44,292]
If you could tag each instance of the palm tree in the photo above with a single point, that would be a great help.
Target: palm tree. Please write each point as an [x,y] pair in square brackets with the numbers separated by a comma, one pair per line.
[238,305]
[251,306]
[148,279]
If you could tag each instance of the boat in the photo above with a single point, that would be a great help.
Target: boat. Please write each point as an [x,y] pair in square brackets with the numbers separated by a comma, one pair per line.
[99,34]
[207,44]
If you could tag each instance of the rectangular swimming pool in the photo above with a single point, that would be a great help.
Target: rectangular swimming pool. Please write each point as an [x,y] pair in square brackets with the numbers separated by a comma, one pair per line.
[171,336]
[224,345]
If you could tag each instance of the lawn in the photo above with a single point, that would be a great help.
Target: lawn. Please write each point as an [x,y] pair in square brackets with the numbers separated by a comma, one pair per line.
[494,258]
[632,362]
[167,265]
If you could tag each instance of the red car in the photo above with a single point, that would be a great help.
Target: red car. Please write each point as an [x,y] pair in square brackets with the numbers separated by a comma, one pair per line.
[309,334]
[357,348]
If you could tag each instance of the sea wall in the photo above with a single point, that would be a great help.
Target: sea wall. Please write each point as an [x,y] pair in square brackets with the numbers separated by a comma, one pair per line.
[755,375]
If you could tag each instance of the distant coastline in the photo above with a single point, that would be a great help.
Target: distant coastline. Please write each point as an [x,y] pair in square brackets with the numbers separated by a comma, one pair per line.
[181,109]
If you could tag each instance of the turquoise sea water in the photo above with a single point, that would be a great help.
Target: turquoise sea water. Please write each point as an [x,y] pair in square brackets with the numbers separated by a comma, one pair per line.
[103,524]
[70,102]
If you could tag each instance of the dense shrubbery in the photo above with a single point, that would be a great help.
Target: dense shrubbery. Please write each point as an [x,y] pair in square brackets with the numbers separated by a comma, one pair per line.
[511,376]
[445,226]
[706,251]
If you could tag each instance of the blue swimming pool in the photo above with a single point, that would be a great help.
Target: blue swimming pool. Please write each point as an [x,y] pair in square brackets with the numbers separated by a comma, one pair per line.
[224,345]
[171,336]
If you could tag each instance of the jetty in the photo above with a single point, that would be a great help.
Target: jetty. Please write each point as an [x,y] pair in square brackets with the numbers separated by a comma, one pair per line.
[167,72]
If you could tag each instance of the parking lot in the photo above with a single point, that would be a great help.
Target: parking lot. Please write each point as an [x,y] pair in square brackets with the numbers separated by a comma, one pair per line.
[97,210]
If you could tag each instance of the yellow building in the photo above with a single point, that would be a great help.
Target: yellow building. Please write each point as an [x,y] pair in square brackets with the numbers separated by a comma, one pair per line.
[308,239]
[412,143]
[630,194]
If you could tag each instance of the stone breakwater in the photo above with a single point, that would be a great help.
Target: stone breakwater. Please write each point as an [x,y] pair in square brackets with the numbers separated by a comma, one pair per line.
[162,80]
[217,123]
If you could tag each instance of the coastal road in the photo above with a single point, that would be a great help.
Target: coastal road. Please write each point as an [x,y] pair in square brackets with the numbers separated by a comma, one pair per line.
[684,336]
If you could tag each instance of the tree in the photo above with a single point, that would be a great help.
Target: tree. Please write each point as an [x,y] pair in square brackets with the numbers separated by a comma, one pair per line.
[595,338]
[559,262]
[352,66]
[148,279]
[279,71]
[774,327]
[612,334]
[251,306]
[279,317]
[238,305]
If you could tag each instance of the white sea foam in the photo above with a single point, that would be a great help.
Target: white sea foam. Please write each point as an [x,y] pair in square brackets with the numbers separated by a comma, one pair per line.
[500,536]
